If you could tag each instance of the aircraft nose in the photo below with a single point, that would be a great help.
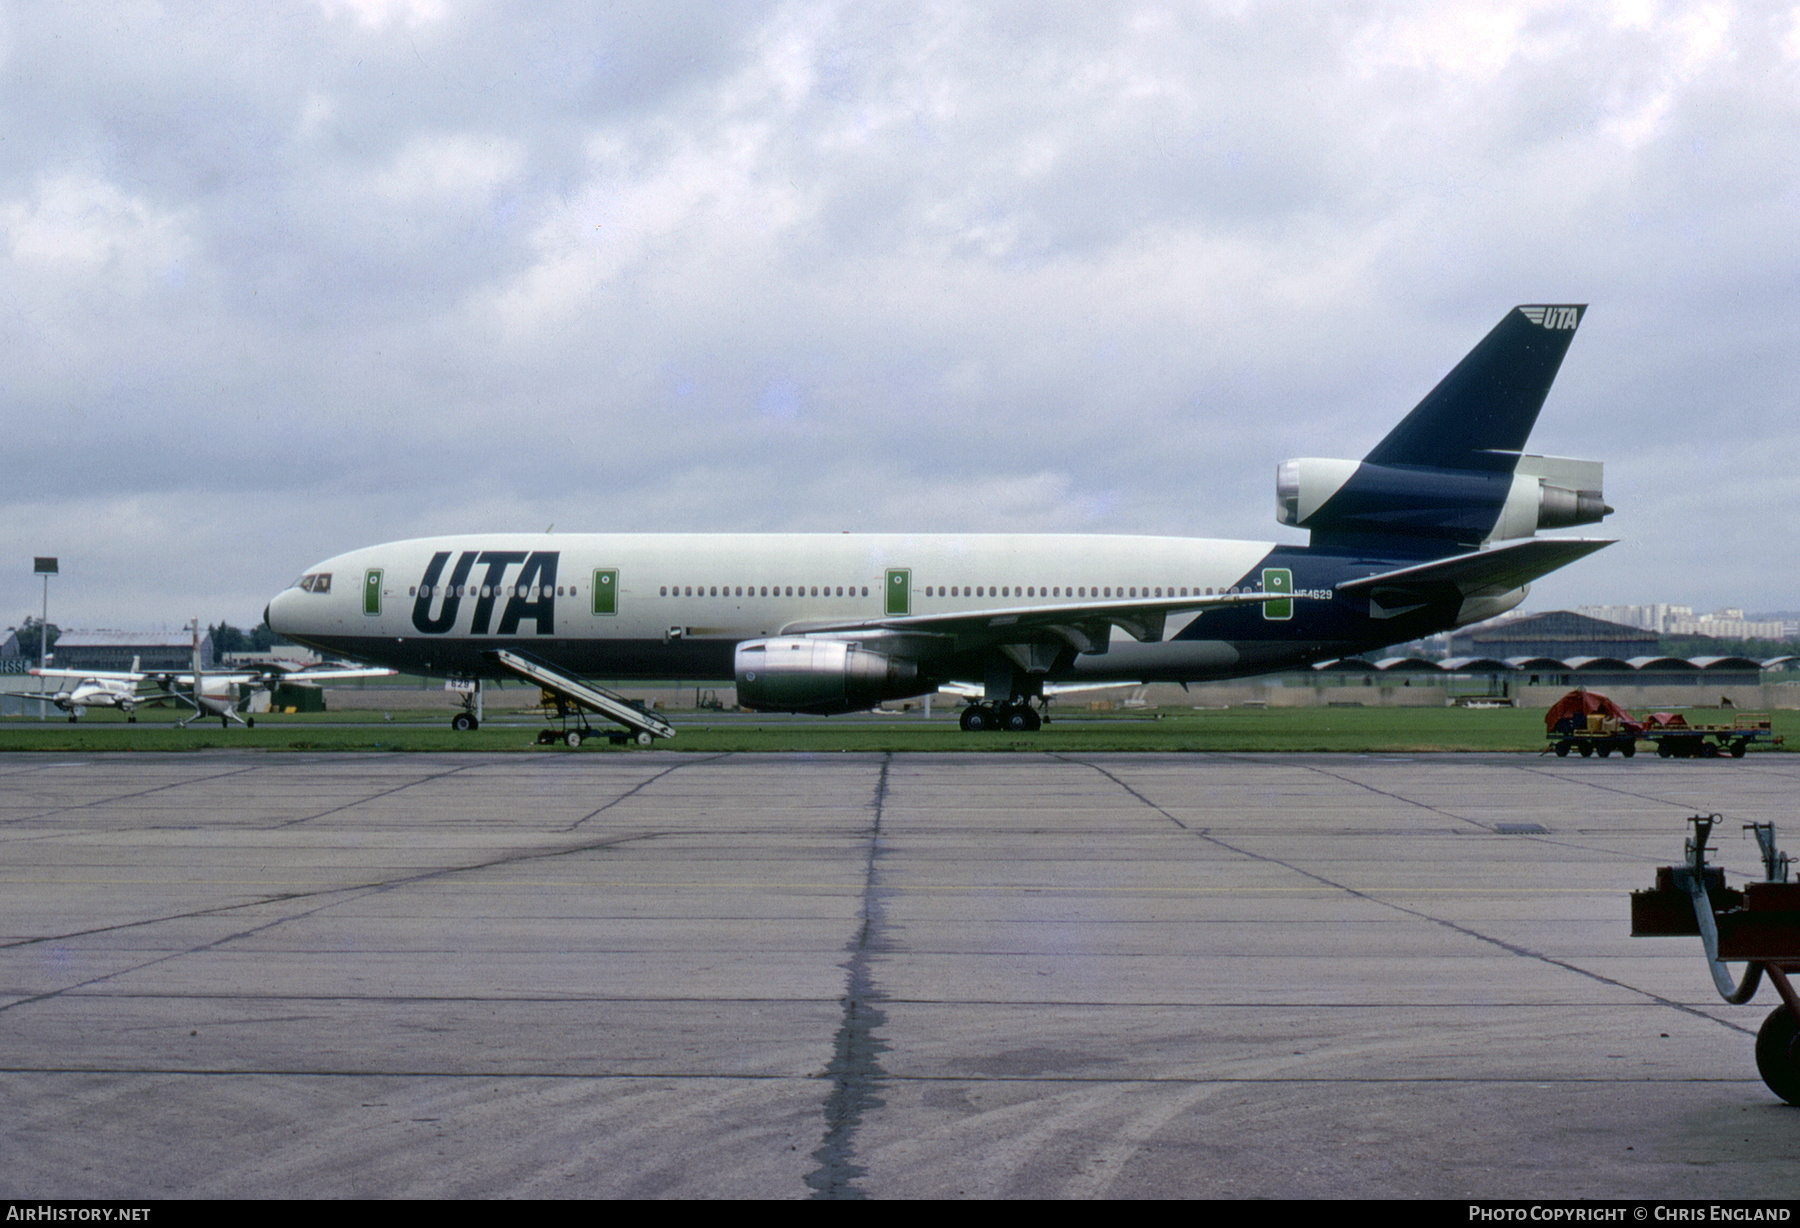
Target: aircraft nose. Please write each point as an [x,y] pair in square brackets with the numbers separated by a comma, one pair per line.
[278,614]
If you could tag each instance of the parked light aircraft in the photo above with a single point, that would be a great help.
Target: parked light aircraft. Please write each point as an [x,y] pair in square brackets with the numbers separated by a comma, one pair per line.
[1433,529]
[88,692]
[215,694]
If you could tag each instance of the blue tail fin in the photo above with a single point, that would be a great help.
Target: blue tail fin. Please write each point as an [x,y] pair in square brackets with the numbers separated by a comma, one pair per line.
[1486,407]
[1453,474]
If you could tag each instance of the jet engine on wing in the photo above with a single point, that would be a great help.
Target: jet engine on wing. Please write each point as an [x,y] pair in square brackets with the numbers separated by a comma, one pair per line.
[799,673]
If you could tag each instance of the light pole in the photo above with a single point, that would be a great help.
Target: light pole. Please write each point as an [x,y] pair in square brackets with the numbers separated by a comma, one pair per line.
[46,568]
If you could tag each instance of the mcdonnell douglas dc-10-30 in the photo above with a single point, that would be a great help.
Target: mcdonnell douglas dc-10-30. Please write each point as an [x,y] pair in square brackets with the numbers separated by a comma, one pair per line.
[1433,529]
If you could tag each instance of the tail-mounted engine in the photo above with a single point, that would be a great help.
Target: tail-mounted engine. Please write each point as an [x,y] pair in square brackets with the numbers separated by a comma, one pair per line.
[1469,506]
[798,673]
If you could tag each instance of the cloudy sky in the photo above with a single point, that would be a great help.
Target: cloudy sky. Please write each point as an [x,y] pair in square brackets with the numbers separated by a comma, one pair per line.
[277,281]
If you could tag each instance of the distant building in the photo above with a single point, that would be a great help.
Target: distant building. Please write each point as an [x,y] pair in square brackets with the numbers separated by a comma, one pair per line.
[1726,624]
[110,650]
[1562,634]
[1649,617]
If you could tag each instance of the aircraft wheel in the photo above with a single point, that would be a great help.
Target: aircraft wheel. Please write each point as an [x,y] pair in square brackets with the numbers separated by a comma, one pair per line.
[1738,749]
[1016,719]
[462,722]
[72,720]
[977,718]
[644,739]
[546,737]
[1587,751]
[573,738]
[249,722]
[1562,750]
[131,720]
[1778,1054]
[1629,749]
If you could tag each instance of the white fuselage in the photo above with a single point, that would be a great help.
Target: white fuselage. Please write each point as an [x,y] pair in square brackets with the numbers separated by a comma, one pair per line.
[674,605]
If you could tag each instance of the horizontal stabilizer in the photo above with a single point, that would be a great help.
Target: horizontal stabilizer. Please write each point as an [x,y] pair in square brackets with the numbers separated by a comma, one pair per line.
[1485,572]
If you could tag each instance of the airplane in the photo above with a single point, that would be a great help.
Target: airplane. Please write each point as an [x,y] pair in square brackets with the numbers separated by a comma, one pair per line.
[1433,529]
[208,694]
[89,692]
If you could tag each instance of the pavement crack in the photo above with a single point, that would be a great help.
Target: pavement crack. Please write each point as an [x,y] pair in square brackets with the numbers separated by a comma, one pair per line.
[1454,927]
[114,799]
[427,778]
[641,786]
[328,897]
[855,1068]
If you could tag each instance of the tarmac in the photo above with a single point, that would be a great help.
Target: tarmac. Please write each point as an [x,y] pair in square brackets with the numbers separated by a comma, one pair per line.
[984,975]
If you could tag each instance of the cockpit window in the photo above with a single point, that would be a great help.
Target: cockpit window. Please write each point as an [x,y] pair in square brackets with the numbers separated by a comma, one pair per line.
[318,582]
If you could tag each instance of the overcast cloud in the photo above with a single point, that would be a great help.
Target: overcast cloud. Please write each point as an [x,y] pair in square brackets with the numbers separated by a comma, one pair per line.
[280,281]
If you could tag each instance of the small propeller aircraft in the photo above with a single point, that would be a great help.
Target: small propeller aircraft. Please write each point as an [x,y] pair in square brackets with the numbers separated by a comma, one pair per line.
[216,694]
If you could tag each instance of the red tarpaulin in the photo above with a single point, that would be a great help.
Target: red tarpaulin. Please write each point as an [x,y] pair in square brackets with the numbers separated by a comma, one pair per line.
[1577,706]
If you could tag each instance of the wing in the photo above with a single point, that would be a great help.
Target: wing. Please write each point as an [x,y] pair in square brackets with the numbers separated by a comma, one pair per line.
[110,675]
[330,674]
[263,679]
[972,690]
[1084,625]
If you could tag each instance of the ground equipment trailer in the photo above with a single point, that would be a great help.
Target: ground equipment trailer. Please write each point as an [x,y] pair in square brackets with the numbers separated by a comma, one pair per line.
[1678,737]
[1598,735]
[1759,926]
[1590,723]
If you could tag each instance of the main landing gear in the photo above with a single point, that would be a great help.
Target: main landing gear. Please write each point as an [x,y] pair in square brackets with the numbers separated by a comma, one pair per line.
[1017,716]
